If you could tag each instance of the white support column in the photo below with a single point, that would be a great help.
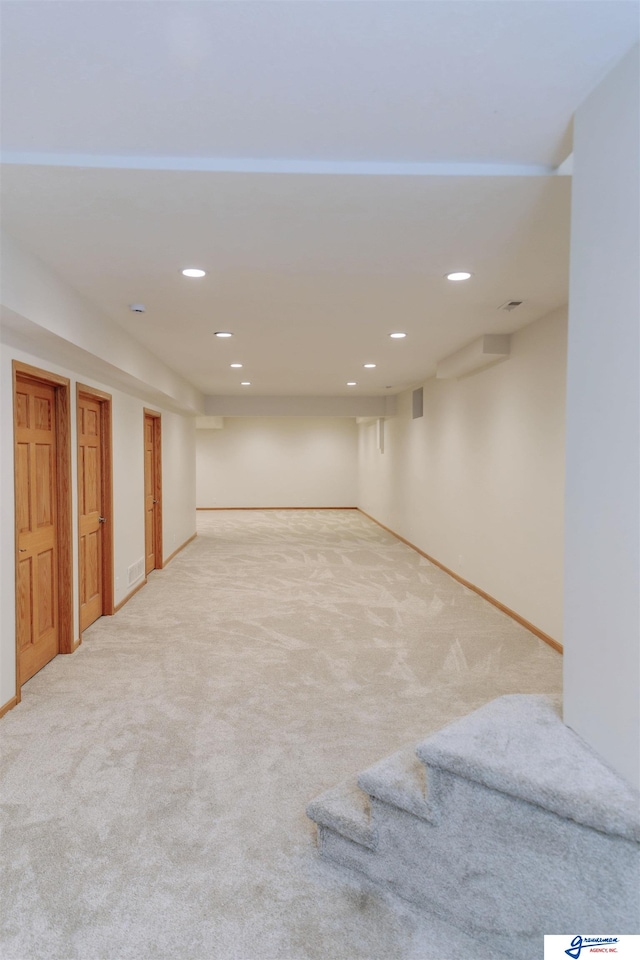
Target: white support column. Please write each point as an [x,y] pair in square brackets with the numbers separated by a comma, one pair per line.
[602,522]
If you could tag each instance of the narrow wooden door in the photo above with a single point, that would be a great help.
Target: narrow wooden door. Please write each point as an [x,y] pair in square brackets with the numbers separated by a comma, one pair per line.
[36,523]
[90,508]
[152,494]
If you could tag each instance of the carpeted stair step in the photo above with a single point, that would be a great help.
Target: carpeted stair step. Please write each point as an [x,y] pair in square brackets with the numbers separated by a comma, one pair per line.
[522,829]
[345,810]
[518,746]
[401,781]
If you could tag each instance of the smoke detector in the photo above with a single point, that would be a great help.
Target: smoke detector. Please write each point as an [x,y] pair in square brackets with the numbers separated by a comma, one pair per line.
[511,305]
[137,307]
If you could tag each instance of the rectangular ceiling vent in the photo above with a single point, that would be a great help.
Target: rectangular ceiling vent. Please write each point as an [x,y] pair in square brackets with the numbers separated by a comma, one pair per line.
[511,305]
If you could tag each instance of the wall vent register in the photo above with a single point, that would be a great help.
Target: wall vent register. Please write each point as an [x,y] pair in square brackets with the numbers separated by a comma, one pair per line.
[135,571]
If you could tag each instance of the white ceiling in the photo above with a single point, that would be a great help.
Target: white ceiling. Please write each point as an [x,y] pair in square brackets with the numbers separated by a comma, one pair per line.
[342,81]
[310,272]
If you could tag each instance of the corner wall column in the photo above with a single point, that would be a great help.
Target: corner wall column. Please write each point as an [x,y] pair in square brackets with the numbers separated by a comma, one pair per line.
[602,521]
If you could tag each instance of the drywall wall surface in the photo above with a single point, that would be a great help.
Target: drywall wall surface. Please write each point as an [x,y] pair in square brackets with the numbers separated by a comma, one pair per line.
[602,569]
[277,462]
[7,534]
[178,480]
[178,470]
[128,492]
[31,290]
[477,482]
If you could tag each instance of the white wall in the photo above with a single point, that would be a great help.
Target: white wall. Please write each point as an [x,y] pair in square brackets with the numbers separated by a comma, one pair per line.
[48,325]
[602,570]
[35,295]
[178,476]
[277,462]
[477,482]
[178,479]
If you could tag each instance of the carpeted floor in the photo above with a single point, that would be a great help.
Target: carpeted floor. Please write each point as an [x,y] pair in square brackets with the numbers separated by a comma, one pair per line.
[154,784]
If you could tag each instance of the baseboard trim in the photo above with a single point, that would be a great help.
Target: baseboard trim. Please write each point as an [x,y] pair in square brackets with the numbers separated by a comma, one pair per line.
[471,586]
[9,705]
[178,549]
[120,605]
[277,508]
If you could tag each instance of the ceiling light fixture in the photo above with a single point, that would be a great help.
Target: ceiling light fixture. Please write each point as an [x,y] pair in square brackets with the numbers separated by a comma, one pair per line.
[193,272]
[459,275]
[222,333]
[245,383]
[397,336]
[352,383]
[368,366]
[236,366]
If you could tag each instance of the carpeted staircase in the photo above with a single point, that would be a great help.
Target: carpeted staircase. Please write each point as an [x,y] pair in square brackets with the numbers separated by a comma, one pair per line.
[504,823]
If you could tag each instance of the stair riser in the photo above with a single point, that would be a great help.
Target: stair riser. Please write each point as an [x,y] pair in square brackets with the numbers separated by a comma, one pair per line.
[500,868]
[400,780]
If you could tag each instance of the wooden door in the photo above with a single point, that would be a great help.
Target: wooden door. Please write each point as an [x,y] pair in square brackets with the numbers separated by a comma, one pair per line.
[36,524]
[152,493]
[91,510]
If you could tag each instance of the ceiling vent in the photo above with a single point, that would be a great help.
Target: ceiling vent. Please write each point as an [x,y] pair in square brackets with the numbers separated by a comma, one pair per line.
[511,305]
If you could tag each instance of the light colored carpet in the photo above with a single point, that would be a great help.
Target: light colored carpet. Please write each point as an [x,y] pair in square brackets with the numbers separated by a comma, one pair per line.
[511,827]
[154,784]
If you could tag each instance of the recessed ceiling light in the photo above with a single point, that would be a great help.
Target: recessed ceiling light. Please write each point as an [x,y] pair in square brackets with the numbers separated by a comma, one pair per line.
[236,366]
[222,333]
[368,366]
[460,275]
[397,336]
[193,272]
[352,383]
[245,383]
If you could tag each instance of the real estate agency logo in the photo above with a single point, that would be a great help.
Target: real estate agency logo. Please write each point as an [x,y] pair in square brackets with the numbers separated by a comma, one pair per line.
[592,945]
[580,947]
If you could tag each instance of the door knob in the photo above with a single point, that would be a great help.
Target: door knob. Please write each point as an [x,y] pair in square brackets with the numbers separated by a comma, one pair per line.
[155,501]
[102,519]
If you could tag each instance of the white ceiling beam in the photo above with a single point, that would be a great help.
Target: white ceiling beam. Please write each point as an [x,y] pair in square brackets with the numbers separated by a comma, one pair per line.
[483,352]
[228,406]
[286,166]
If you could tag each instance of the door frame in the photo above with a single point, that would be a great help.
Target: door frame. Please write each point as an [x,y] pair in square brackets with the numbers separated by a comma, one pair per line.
[106,492]
[64,534]
[157,493]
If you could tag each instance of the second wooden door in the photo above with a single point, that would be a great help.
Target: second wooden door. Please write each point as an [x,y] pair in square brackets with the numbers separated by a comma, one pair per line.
[152,493]
[91,510]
